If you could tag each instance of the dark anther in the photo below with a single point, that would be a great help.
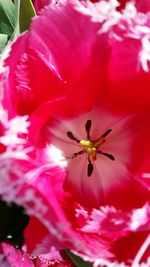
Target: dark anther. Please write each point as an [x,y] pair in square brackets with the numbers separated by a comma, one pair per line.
[106,155]
[70,135]
[106,133]
[88,128]
[78,153]
[90,169]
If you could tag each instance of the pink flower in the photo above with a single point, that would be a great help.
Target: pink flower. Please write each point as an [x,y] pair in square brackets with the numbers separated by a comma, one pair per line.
[87,96]
[10,256]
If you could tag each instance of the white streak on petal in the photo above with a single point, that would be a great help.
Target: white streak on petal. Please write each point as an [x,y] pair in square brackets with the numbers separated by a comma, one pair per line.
[56,156]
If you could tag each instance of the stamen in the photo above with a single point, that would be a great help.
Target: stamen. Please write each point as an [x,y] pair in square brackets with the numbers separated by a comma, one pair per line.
[71,136]
[106,155]
[88,128]
[91,147]
[78,153]
[90,169]
[106,133]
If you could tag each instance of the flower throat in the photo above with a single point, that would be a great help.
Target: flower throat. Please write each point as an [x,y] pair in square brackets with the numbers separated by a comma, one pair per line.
[91,147]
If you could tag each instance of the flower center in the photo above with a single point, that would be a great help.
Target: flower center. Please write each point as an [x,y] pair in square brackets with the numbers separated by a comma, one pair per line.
[91,147]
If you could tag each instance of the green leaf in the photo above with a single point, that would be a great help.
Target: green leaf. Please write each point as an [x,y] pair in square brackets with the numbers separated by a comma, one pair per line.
[7,21]
[24,11]
[27,12]
[3,41]
[77,260]
[17,14]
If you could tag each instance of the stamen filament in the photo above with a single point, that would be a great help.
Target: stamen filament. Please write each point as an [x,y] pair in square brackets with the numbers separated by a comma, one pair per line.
[106,133]
[78,153]
[88,128]
[71,136]
[106,155]
[89,169]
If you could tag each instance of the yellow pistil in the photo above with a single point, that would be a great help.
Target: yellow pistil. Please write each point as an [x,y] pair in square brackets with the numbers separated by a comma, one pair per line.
[91,147]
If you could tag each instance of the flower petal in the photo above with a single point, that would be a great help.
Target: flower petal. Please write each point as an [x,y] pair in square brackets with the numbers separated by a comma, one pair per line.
[63,60]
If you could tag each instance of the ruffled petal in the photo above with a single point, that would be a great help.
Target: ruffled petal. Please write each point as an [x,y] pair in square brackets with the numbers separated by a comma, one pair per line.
[14,257]
[129,73]
[65,63]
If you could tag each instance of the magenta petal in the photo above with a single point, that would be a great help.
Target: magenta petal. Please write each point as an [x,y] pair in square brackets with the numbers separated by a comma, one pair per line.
[66,63]
[14,257]
[143,5]
[55,219]
[39,4]
[129,64]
